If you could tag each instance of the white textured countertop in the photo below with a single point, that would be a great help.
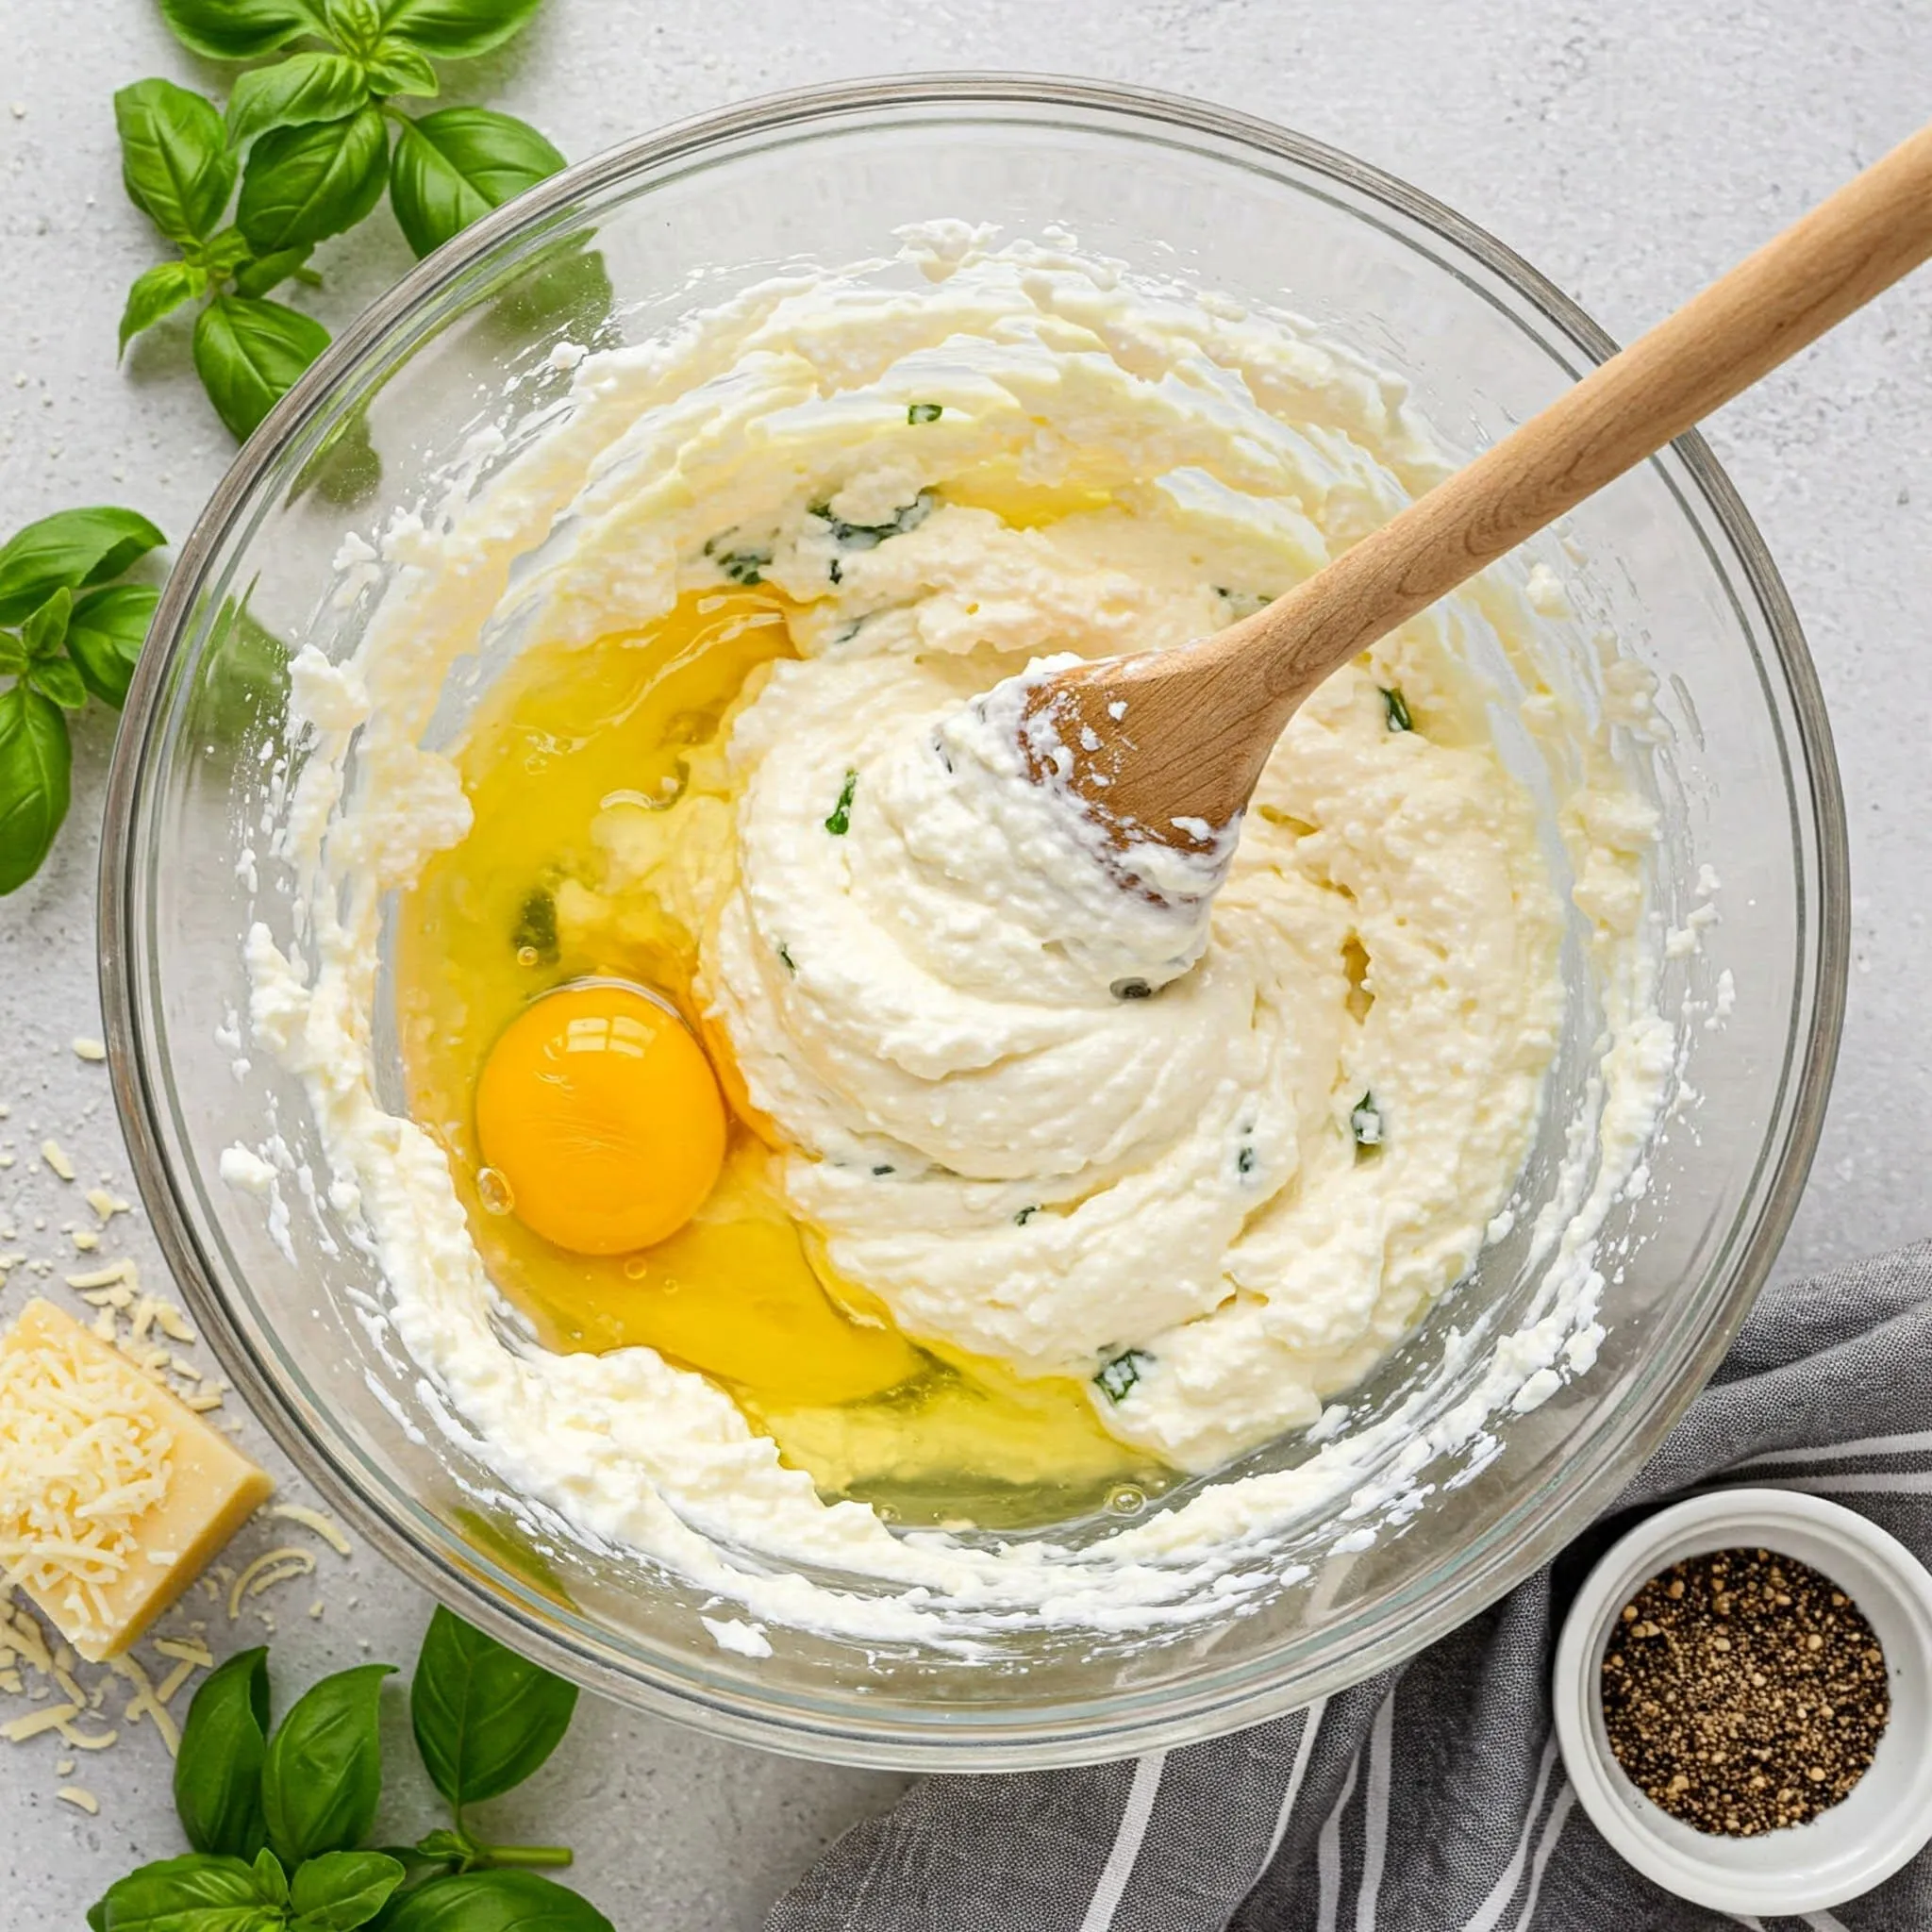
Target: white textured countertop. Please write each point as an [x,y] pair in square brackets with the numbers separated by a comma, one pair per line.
[1630,148]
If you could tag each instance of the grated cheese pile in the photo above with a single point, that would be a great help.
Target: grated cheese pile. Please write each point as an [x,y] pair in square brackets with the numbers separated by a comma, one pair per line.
[76,1473]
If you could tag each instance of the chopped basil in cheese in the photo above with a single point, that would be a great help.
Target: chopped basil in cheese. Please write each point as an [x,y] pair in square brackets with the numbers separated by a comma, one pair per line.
[740,563]
[840,822]
[870,535]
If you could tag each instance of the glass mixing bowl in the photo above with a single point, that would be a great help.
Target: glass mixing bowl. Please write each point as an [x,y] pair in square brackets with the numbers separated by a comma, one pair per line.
[452,370]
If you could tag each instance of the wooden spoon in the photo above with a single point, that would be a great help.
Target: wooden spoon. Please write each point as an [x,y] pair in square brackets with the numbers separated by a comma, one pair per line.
[1182,735]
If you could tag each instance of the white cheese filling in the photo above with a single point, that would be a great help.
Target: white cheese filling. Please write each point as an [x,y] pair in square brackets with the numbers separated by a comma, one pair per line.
[1218,1195]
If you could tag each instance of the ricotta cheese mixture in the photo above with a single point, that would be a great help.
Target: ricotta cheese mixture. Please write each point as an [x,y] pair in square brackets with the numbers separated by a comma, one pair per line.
[1213,1156]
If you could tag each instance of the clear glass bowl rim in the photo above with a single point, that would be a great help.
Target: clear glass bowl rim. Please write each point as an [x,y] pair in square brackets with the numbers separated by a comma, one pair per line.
[868,1734]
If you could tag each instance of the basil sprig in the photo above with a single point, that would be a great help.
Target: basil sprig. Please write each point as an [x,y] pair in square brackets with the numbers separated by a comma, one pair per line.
[276,1816]
[66,633]
[308,141]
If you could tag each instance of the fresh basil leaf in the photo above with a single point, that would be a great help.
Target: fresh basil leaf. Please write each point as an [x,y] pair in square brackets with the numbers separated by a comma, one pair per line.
[455,29]
[192,1893]
[104,637]
[12,652]
[46,628]
[483,1717]
[218,1769]
[72,548]
[239,29]
[158,291]
[270,1881]
[323,1773]
[222,255]
[97,1916]
[449,1847]
[455,165]
[342,1890]
[294,92]
[305,184]
[495,1902]
[175,158]
[58,679]
[249,353]
[355,25]
[270,272]
[397,68]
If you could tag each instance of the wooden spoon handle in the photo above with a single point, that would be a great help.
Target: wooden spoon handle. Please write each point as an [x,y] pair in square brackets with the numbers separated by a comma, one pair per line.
[1850,248]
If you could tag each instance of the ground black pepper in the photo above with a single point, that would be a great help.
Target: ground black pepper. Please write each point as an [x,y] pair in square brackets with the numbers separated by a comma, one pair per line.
[1743,1691]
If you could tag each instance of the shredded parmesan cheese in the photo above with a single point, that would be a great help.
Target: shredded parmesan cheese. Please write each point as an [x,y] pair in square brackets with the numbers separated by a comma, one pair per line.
[269,1568]
[49,1718]
[189,1650]
[80,1796]
[115,1272]
[87,1049]
[56,1156]
[315,1520]
[78,1469]
[144,1703]
[165,1689]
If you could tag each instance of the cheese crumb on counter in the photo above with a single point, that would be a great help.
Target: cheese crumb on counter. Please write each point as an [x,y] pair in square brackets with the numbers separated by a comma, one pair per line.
[56,1156]
[115,1274]
[187,1650]
[147,1702]
[50,1717]
[113,1495]
[80,1796]
[272,1567]
[86,1049]
[315,1520]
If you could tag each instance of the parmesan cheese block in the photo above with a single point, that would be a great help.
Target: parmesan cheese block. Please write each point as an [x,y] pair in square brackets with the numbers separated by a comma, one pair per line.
[113,1495]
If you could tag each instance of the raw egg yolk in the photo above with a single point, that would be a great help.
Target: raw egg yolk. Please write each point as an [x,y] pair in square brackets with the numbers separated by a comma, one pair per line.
[603,1117]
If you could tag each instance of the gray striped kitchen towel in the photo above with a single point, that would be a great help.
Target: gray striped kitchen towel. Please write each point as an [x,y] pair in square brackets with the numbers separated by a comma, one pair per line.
[1430,1799]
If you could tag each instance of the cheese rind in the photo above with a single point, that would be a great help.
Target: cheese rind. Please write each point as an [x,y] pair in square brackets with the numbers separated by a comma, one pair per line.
[113,1495]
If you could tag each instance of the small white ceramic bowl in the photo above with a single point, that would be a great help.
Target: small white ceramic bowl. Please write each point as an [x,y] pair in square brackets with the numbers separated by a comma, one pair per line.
[1843,1852]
